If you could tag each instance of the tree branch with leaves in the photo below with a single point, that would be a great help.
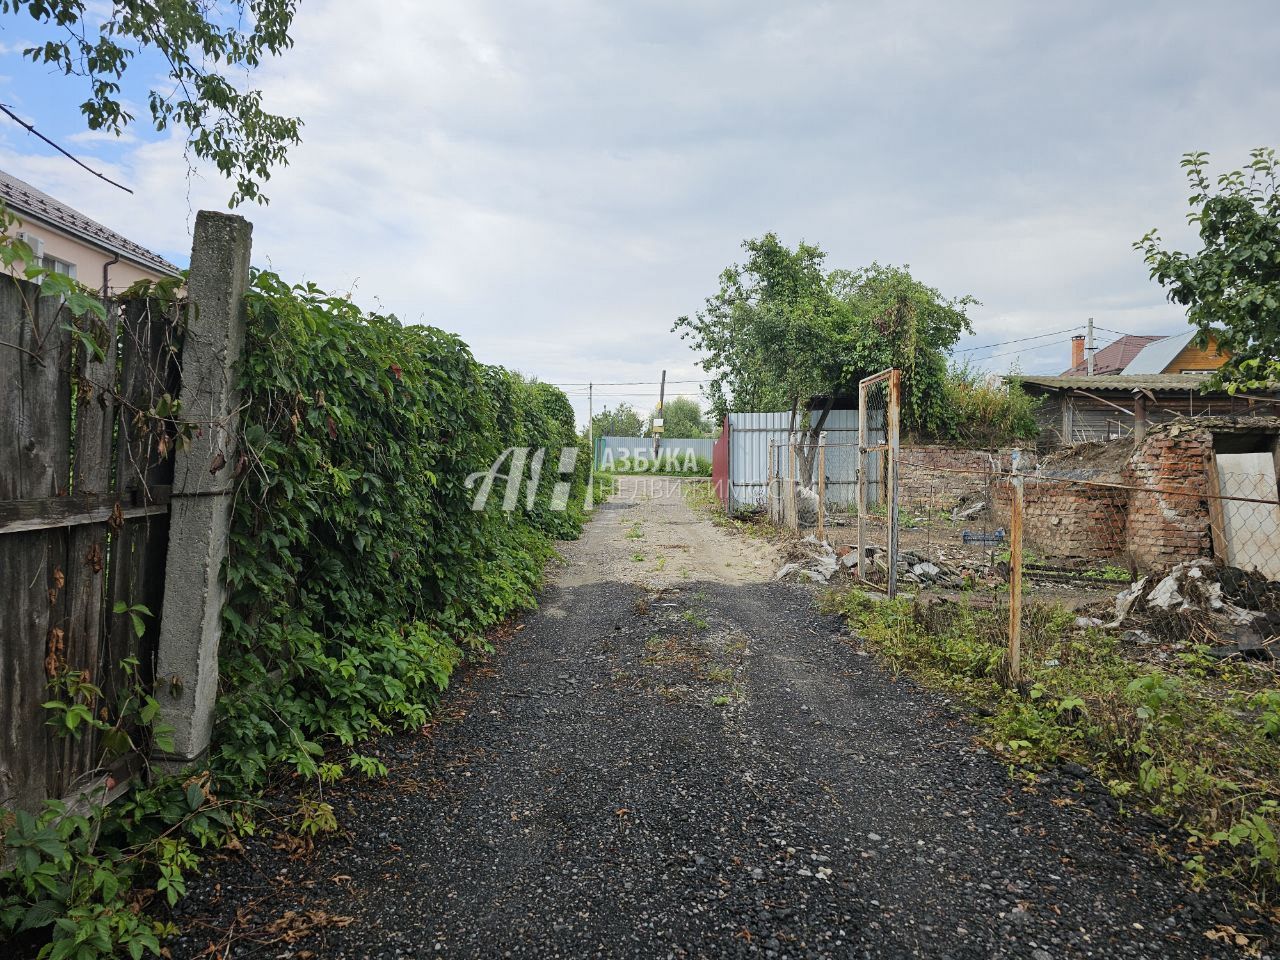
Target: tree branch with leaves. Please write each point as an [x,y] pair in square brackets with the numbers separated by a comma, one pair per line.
[1231,287]
[202,44]
[782,332]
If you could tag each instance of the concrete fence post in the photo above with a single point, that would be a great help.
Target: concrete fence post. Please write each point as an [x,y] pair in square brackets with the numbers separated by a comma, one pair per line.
[200,510]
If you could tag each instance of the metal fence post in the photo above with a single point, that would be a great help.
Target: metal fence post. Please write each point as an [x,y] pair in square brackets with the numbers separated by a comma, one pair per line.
[727,429]
[1014,659]
[891,478]
[200,518]
[861,476]
[793,521]
[822,484]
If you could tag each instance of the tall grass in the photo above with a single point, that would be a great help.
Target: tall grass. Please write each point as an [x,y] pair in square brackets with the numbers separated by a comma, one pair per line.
[986,413]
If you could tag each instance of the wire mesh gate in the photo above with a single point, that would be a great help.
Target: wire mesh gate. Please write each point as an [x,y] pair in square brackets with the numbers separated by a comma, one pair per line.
[879,402]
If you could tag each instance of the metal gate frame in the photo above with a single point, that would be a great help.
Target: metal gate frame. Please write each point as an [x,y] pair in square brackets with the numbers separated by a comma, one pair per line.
[893,379]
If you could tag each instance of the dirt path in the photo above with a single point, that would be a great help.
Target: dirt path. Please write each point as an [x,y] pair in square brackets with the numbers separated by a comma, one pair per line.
[680,758]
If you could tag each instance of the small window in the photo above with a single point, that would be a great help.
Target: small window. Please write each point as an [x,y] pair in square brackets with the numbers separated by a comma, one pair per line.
[54,265]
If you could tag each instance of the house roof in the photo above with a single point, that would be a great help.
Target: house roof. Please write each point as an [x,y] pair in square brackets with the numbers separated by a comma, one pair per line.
[1156,357]
[1167,382]
[28,202]
[1113,358]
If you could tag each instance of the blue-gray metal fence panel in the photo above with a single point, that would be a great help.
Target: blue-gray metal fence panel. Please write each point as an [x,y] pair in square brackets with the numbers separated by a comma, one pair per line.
[749,436]
[609,450]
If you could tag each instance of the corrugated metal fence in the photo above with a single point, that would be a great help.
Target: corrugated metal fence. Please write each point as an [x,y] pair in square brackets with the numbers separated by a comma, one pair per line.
[749,437]
[609,450]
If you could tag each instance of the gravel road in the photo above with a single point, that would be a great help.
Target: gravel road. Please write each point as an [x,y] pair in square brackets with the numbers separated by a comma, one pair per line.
[677,757]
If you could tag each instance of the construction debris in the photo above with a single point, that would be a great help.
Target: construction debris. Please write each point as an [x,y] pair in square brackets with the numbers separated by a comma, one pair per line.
[814,560]
[1235,612]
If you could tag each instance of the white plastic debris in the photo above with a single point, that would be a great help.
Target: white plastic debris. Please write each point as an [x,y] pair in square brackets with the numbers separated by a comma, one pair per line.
[786,570]
[1165,594]
[926,569]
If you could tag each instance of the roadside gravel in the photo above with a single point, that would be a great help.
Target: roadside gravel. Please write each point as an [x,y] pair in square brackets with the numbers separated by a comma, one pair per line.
[680,758]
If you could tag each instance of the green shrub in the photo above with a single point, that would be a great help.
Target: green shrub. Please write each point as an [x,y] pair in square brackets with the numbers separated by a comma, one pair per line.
[983,414]
[359,574]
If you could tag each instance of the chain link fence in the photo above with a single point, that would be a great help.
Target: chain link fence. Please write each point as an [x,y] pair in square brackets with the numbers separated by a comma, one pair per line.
[1187,555]
[1171,539]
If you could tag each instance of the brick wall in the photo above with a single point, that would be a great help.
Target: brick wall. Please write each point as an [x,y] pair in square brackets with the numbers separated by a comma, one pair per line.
[1159,519]
[1165,528]
[938,478]
[1063,521]
[1071,513]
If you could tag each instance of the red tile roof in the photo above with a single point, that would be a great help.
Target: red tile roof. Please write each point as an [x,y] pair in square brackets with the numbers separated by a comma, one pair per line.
[1112,358]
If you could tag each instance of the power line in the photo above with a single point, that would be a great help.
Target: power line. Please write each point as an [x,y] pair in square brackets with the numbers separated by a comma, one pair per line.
[70,156]
[1042,346]
[1120,334]
[1003,343]
[621,383]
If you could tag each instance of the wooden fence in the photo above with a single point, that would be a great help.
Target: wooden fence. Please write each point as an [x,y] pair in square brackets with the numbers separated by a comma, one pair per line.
[85,474]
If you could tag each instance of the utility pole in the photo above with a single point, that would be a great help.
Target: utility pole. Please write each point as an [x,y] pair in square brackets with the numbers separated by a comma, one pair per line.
[591,424]
[658,425]
[1088,345]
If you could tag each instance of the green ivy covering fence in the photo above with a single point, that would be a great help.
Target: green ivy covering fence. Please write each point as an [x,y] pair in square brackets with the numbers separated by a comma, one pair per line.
[359,575]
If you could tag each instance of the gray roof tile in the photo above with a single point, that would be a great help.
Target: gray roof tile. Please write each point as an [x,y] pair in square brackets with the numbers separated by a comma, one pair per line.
[25,200]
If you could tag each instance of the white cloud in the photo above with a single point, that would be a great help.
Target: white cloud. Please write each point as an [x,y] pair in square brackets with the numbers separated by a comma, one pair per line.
[557,183]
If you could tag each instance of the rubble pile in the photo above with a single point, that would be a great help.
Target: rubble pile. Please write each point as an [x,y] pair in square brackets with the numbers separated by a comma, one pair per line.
[810,559]
[1234,611]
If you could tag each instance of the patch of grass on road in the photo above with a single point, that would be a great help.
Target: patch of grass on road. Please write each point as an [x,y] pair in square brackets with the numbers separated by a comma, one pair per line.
[1191,739]
[695,619]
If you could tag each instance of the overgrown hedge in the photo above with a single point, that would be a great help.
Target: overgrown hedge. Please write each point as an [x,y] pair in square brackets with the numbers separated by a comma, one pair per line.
[984,413]
[359,578]
[359,575]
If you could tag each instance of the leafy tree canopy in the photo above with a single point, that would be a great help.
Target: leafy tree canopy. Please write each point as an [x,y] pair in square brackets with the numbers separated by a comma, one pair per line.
[202,45]
[622,421]
[682,418]
[1231,288]
[782,329]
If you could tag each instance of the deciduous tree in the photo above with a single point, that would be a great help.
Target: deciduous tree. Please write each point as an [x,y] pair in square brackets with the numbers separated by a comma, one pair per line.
[783,331]
[682,417]
[622,421]
[1231,287]
[207,49]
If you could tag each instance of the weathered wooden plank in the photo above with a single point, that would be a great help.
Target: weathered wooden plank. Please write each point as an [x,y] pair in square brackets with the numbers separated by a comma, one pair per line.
[49,410]
[94,376]
[144,467]
[66,530]
[15,674]
[33,604]
[22,516]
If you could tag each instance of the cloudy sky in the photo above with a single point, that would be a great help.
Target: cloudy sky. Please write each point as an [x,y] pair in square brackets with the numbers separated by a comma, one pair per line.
[557,182]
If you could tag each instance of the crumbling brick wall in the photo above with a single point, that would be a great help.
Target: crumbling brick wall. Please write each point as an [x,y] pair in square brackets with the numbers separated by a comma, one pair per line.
[934,477]
[1096,501]
[1157,515]
[1064,521]
[1165,528]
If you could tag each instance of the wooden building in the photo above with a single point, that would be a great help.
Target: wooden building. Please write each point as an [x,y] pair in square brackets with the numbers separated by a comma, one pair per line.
[1089,409]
